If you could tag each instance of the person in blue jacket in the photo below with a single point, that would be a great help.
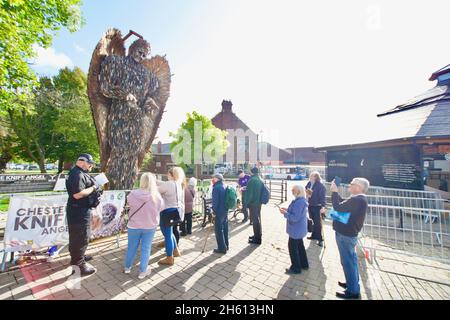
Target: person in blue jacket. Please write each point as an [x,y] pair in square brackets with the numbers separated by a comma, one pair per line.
[220,213]
[297,229]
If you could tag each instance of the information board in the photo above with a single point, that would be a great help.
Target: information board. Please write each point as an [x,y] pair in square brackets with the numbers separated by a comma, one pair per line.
[390,167]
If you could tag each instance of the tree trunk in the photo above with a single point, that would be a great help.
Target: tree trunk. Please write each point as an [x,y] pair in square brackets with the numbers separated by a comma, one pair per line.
[60,164]
[198,171]
[5,157]
[41,165]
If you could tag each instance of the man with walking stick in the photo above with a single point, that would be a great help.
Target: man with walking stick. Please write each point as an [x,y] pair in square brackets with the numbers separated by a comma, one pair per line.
[220,214]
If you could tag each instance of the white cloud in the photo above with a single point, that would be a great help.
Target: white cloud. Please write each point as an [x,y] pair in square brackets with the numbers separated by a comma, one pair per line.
[50,58]
[79,48]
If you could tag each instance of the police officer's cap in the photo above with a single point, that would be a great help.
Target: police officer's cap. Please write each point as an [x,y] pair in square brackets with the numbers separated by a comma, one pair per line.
[86,157]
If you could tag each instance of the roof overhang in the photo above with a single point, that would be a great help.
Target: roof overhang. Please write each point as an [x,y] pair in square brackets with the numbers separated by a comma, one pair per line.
[388,143]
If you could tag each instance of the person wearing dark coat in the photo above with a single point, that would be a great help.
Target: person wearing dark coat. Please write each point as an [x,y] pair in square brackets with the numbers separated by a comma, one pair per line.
[220,212]
[347,233]
[316,192]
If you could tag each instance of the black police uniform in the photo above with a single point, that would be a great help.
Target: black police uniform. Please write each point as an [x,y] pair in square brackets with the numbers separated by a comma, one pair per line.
[78,214]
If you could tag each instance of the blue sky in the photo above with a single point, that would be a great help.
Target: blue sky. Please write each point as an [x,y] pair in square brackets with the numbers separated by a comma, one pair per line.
[305,73]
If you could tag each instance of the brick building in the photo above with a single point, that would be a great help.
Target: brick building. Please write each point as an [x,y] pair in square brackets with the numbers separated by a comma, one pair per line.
[161,158]
[245,151]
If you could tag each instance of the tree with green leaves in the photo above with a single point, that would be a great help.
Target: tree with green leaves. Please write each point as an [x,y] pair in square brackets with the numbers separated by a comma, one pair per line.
[198,142]
[59,125]
[6,143]
[74,126]
[25,24]
[32,125]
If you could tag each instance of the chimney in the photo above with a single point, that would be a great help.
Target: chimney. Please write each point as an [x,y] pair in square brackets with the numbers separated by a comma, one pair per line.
[159,147]
[227,106]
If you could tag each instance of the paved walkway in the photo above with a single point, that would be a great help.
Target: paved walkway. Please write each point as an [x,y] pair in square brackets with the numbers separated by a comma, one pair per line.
[246,272]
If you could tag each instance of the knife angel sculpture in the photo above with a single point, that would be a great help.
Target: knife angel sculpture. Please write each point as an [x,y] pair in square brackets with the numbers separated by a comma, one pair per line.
[128,94]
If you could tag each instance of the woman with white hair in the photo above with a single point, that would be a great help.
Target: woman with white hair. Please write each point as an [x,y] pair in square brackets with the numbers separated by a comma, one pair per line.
[145,205]
[189,196]
[172,192]
[297,228]
[347,233]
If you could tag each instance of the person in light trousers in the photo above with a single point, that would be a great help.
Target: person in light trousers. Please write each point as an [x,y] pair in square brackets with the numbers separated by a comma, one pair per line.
[145,205]
[347,234]
[297,228]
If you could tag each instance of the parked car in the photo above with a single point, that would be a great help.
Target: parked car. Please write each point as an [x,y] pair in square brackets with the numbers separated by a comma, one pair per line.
[221,170]
[19,167]
[50,166]
[33,167]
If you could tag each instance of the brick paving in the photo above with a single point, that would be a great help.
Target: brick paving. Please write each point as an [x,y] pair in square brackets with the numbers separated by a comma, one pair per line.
[246,272]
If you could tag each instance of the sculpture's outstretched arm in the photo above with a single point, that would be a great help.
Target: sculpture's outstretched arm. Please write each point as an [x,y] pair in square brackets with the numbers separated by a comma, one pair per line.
[150,105]
[109,79]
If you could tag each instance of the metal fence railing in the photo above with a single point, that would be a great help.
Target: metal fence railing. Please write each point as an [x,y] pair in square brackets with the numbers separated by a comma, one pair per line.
[405,221]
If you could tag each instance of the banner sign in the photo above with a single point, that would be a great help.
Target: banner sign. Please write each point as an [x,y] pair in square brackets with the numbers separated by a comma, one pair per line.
[10,183]
[106,218]
[36,222]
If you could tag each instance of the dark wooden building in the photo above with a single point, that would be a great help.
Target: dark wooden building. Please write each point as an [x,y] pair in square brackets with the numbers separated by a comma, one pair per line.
[416,155]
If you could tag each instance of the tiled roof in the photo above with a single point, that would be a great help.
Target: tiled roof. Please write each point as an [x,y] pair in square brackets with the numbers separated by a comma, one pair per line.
[226,119]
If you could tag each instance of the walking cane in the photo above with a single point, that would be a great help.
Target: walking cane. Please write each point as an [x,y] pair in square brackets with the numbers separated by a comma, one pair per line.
[207,235]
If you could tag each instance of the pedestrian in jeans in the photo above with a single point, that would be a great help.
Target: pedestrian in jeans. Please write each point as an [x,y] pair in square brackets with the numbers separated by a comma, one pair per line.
[347,234]
[252,201]
[189,196]
[297,228]
[145,205]
[316,192]
[172,192]
[220,212]
[243,181]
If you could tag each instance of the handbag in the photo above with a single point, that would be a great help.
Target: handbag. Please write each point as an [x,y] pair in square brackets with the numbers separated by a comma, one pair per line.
[170,217]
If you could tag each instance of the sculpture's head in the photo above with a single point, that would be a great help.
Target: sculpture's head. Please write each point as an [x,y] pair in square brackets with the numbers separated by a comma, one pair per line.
[139,50]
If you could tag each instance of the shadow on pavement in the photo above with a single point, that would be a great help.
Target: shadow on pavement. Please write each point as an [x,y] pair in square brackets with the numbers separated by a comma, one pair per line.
[306,286]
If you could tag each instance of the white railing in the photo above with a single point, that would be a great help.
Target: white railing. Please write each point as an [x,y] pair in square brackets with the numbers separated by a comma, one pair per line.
[405,221]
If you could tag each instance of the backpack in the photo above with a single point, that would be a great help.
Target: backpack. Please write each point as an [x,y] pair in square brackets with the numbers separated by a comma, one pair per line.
[230,198]
[265,194]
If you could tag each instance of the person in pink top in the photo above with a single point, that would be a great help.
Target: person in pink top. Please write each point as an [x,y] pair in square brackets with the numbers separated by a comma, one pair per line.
[145,205]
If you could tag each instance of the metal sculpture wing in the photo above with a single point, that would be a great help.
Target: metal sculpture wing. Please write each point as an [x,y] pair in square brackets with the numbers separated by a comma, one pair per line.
[110,44]
[159,66]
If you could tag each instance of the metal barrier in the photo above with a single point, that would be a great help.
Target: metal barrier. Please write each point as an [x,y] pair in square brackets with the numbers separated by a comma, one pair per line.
[407,222]
[278,190]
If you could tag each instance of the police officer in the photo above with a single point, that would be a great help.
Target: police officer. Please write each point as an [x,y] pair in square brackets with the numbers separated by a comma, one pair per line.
[81,188]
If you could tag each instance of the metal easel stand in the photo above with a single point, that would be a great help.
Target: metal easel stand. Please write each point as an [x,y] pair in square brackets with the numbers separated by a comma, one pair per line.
[5,257]
[125,212]
[3,265]
[57,253]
